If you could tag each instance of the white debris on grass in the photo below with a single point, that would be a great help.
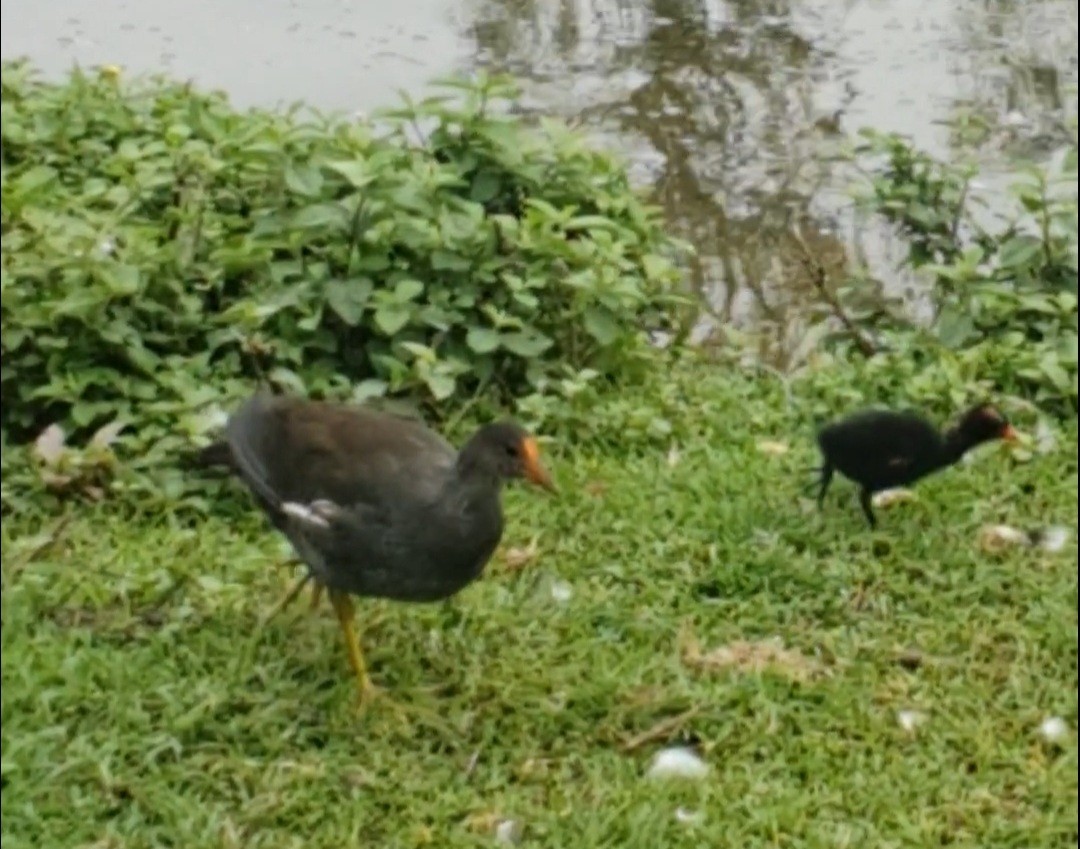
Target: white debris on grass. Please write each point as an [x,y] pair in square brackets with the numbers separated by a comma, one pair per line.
[910,719]
[508,832]
[994,538]
[561,592]
[678,762]
[688,817]
[1045,437]
[888,497]
[1053,729]
[1054,538]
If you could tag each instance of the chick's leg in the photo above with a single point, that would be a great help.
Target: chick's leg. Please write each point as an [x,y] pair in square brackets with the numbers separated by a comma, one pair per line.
[867,503]
[343,607]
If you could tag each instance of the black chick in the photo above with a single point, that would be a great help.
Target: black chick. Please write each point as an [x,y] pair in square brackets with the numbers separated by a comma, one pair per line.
[881,449]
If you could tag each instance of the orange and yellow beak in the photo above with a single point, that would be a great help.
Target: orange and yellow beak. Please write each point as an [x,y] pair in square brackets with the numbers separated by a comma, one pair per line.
[1010,434]
[534,469]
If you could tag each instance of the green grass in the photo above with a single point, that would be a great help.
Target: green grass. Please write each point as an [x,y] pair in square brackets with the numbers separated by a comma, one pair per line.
[143,705]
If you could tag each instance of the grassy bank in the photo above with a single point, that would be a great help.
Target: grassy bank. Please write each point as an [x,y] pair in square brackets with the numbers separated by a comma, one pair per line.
[144,706]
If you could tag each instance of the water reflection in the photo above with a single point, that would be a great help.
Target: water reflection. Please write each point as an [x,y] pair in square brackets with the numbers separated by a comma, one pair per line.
[728,109]
[730,112]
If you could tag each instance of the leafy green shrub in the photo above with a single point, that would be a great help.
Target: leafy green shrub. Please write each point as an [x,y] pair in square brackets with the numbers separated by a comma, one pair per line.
[1004,300]
[162,251]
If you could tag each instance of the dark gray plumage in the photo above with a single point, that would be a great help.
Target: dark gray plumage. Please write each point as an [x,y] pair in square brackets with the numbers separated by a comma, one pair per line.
[376,504]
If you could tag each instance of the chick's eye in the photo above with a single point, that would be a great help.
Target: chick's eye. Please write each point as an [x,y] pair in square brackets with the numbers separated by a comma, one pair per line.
[511,450]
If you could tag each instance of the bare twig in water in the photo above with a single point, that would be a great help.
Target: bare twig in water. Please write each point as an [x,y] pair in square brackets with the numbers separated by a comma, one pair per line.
[819,278]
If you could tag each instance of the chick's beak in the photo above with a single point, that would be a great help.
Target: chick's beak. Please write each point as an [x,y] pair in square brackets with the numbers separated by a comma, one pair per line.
[534,469]
[1010,434]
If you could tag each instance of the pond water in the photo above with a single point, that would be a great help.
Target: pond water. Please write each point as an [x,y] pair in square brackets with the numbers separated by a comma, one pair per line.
[731,112]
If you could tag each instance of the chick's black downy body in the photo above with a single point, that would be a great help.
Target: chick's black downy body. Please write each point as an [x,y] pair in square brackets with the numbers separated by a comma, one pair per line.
[881,449]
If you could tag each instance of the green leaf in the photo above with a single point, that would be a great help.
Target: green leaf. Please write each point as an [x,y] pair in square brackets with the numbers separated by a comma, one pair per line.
[408,290]
[482,340]
[371,388]
[289,379]
[303,179]
[348,298]
[591,222]
[1019,251]
[600,324]
[485,186]
[1031,201]
[526,344]
[420,352]
[121,280]
[391,317]
[655,267]
[442,386]
[321,216]
[356,172]
[34,178]
[954,327]
[1055,373]
[445,261]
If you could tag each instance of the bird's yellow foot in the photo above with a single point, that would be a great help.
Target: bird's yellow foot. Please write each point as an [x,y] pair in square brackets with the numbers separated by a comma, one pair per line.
[368,694]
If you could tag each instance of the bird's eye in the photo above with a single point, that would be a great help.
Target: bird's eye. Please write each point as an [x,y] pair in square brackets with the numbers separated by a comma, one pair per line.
[511,450]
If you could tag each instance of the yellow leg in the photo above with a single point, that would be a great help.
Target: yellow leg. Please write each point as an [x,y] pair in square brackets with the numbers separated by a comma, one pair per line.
[343,607]
[288,599]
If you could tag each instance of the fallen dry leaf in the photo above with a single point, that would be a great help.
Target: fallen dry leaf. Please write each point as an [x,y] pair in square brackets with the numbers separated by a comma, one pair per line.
[49,446]
[517,557]
[776,449]
[661,730]
[673,456]
[533,769]
[595,488]
[483,822]
[56,482]
[746,656]
[994,538]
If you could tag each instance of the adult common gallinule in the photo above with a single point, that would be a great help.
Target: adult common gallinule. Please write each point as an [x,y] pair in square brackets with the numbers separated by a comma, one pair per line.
[880,449]
[375,504]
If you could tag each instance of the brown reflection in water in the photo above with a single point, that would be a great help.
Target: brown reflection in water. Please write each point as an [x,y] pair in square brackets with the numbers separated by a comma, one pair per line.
[732,111]
[727,103]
